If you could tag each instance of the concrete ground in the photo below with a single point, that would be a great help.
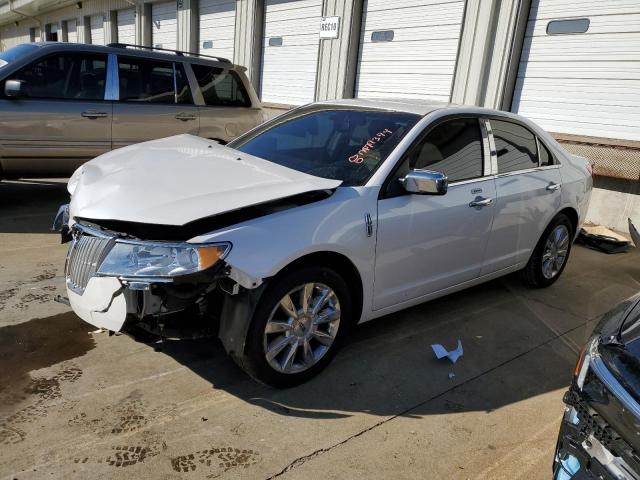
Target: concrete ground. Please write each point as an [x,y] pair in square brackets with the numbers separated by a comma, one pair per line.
[80,404]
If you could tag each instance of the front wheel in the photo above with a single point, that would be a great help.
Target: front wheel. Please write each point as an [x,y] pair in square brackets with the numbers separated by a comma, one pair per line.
[551,254]
[299,324]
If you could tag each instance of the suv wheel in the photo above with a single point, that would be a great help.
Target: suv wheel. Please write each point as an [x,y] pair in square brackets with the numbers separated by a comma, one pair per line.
[299,325]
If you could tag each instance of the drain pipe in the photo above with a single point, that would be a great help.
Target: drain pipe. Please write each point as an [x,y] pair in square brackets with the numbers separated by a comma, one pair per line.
[13,10]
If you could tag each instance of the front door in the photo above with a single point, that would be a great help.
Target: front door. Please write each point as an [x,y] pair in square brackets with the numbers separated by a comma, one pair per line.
[428,243]
[61,121]
[151,104]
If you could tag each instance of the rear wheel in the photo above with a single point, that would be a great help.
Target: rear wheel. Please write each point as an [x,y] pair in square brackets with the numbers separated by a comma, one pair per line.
[551,254]
[300,323]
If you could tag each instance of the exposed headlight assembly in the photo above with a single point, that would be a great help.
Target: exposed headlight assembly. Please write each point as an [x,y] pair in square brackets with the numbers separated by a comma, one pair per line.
[157,259]
[584,359]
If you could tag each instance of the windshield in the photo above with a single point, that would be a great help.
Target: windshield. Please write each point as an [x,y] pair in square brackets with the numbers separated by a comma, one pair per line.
[339,144]
[16,52]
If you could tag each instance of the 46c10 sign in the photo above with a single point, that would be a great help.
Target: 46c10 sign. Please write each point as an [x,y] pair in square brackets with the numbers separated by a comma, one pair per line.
[329,27]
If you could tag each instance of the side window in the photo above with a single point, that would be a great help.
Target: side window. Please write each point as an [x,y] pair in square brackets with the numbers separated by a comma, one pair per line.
[453,148]
[515,146]
[221,88]
[66,76]
[546,158]
[146,80]
[182,86]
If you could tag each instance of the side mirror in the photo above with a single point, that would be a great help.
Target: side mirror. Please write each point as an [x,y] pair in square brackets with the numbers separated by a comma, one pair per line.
[14,88]
[425,182]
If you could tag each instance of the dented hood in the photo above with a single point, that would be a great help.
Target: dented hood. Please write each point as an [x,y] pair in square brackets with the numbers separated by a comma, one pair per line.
[180,179]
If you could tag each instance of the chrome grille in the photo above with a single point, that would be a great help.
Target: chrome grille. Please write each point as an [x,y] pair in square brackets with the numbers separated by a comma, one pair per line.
[85,256]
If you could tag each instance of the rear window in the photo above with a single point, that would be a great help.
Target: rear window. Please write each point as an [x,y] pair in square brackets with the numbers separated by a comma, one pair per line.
[144,80]
[515,146]
[221,88]
[346,145]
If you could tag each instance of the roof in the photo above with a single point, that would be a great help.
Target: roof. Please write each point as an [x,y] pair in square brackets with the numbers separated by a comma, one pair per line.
[409,105]
[146,52]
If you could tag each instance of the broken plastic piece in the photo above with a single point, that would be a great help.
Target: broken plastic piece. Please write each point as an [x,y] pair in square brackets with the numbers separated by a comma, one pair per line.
[451,375]
[442,352]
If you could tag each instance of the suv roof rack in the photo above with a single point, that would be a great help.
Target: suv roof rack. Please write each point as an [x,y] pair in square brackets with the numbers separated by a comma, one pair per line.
[177,52]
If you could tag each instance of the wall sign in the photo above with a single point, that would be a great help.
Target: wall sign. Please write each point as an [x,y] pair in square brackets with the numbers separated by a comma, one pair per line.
[329,27]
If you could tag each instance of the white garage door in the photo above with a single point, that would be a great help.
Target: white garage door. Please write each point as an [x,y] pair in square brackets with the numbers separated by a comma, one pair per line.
[97,29]
[164,27]
[217,27]
[290,51]
[582,83]
[408,48]
[127,26]
[72,31]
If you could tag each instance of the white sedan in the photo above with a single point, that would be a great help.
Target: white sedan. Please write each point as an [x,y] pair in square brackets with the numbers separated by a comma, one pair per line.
[332,214]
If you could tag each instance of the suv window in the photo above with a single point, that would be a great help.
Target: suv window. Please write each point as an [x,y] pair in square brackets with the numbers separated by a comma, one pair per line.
[221,88]
[144,80]
[515,146]
[453,148]
[79,76]
[182,86]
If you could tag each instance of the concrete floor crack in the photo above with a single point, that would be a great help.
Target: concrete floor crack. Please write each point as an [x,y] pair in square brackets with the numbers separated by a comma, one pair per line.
[305,458]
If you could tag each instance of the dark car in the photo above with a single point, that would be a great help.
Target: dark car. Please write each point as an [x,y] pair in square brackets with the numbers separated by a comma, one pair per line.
[600,432]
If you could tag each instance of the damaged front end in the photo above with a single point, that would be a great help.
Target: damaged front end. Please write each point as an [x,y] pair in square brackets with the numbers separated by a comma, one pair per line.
[173,289]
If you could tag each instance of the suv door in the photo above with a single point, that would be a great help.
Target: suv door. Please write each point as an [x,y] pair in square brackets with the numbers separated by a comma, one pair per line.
[228,111]
[155,101]
[528,187]
[61,120]
[428,243]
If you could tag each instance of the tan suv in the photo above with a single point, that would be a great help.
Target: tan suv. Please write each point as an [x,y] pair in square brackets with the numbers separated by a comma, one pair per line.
[62,104]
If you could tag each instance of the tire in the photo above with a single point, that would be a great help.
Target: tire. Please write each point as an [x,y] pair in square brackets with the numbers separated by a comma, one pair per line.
[310,355]
[537,273]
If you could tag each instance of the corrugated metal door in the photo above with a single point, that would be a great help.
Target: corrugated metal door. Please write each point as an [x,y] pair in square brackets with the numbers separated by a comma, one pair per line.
[217,27]
[290,51]
[127,26]
[72,31]
[97,29]
[164,25]
[582,83]
[408,48]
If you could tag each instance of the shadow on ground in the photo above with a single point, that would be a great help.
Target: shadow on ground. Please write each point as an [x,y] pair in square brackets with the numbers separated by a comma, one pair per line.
[29,206]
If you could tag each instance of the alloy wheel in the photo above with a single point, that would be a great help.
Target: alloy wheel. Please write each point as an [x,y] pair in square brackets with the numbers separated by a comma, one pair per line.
[555,251]
[301,328]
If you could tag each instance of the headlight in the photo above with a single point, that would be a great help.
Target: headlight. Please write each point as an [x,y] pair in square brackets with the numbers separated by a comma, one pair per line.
[582,365]
[155,259]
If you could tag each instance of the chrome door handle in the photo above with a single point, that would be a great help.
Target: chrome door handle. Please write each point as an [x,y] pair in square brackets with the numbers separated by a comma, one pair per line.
[185,116]
[93,114]
[552,187]
[483,202]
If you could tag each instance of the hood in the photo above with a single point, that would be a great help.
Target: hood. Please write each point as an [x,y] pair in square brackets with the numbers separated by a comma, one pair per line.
[176,180]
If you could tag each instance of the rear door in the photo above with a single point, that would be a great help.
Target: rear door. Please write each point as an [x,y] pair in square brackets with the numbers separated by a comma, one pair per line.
[528,186]
[155,101]
[227,112]
[62,120]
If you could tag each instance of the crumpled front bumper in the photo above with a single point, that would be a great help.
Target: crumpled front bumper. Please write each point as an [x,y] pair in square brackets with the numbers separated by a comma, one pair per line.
[103,303]
[581,450]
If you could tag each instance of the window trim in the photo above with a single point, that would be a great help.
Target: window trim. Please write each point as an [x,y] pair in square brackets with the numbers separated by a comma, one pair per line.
[12,75]
[486,148]
[494,166]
